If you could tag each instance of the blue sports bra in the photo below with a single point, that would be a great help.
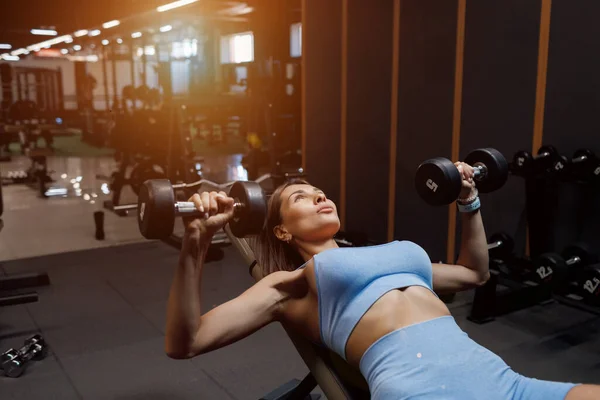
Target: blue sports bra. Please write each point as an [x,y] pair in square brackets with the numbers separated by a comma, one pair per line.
[351,279]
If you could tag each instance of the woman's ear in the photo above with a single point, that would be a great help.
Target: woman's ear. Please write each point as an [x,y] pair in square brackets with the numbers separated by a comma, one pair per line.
[281,233]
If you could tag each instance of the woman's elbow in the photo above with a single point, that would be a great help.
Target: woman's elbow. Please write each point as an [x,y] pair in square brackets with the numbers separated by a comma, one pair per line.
[178,352]
[483,279]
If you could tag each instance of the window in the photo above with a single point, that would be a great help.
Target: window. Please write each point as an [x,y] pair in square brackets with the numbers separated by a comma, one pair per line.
[185,49]
[237,48]
[296,40]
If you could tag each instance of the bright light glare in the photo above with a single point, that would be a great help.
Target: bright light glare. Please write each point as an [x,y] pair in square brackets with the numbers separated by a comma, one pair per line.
[165,28]
[44,32]
[19,52]
[64,51]
[81,33]
[136,35]
[95,32]
[105,42]
[111,24]
[8,57]
[5,46]
[120,41]
[77,47]
[175,4]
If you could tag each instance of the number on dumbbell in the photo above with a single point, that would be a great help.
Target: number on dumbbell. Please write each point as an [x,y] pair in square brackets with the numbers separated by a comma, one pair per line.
[591,286]
[544,272]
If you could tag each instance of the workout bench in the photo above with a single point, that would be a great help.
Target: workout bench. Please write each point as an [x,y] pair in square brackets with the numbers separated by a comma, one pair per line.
[330,372]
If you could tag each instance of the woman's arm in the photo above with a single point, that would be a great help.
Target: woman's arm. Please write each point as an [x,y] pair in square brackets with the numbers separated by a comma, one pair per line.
[472,266]
[188,331]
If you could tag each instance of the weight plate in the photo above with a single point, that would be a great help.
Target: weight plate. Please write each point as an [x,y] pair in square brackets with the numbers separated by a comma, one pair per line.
[590,285]
[543,163]
[496,165]
[250,218]
[586,169]
[549,268]
[438,181]
[156,209]
[581,250]
[503,251]
[521,162]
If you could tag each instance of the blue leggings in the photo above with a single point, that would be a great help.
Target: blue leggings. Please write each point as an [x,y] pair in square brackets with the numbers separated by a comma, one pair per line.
[437,360]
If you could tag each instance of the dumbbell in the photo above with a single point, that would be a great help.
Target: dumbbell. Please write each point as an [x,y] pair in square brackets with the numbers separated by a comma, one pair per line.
[585,166]
[500,246]
[438,181]
[546,160]
[157,209]
[558,269]
[589,284]
[14,362]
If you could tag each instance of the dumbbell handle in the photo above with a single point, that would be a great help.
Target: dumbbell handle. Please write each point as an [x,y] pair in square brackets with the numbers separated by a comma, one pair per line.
[188,208]
[480,171]
[495,245]
[542,155]
[573,260]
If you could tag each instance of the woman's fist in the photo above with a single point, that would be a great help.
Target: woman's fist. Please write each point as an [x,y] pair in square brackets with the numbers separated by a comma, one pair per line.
[216,209]
[467,174]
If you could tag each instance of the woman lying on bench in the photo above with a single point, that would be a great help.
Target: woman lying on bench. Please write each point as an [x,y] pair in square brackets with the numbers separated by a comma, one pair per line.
[377,307]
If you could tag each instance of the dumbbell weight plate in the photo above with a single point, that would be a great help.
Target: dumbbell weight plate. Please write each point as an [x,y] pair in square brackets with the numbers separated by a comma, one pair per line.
[156,209]
[503,251]
[588,169]
[521,162]
[543,163]
[438,181]
[38,343]
[496,165]
[590,284]
[250,219]
[549,269]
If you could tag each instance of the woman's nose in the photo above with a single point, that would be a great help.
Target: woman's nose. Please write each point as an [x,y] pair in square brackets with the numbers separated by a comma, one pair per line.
[320,198]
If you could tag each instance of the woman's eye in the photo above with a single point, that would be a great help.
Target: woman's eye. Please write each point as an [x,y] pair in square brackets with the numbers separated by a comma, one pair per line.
[298,197]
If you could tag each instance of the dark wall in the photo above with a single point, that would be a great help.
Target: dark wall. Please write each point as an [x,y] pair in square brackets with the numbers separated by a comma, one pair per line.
[425,114]
[500,82]
[369,84]
[572,103]
[322,29]
[499,89]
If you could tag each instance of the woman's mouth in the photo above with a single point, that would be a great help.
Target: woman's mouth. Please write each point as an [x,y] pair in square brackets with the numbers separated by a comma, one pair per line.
[326,210]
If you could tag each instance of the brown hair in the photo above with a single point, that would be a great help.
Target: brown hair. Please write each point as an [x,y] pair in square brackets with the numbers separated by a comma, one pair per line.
[271,253]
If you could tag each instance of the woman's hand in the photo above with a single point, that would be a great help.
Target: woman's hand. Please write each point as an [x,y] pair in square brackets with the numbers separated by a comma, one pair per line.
[217,210]
[467,174]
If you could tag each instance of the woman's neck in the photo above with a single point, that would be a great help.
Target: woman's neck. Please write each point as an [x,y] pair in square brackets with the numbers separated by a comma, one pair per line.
[308,249]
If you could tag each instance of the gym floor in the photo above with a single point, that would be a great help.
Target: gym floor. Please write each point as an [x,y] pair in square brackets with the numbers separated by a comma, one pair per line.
[104,314]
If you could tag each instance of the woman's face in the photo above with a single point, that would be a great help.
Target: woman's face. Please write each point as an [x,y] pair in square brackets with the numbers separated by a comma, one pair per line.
[307,214]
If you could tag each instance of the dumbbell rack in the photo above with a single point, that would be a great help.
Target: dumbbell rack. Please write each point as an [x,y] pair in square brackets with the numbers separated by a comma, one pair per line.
[502,295]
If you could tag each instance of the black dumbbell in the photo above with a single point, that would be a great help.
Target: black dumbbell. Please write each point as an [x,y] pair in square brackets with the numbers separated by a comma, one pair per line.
[556,269]
[525,164]
[501,246]
[157,209]
[14,362]
[585,166]
[589,284]
[438,181]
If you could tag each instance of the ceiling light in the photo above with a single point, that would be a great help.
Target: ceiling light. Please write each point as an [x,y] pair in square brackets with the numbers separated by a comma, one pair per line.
[77,47]
[95,32]
[136,35]
[44,32]
[105,42]
[8,57]
[19,52]
[111,24]
[5,46]
[64,51]
[166,28]
[175,4]
[81,33]
[69,39]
